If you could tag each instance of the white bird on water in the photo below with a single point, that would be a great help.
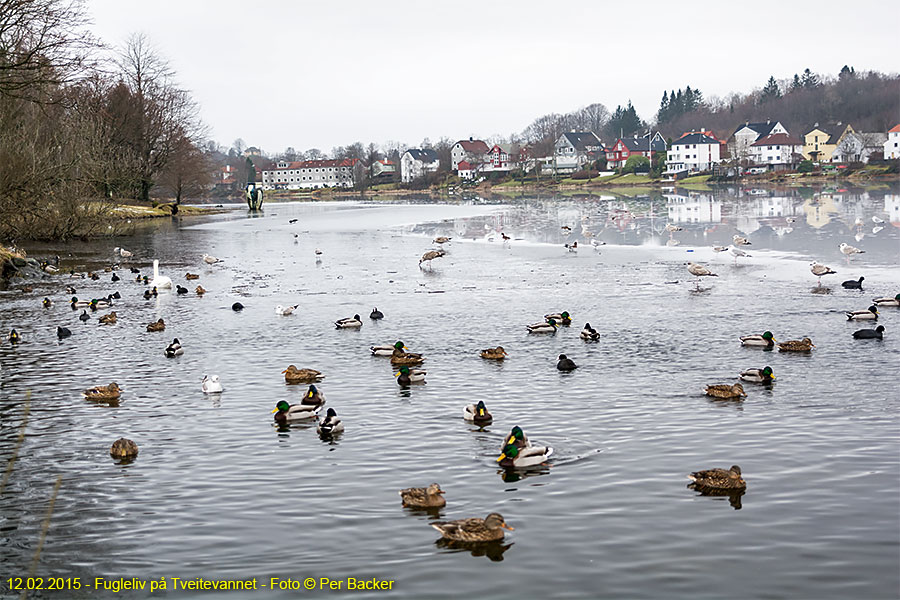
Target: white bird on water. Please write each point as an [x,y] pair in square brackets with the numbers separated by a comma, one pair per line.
[159,281]
[123,252]
[211,384]
[285,310]
[210,260]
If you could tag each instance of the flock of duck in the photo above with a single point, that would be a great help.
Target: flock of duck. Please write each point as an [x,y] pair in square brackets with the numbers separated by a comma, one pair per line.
[516,451]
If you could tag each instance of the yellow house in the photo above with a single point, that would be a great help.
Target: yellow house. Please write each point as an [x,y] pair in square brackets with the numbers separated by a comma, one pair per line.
[819,144]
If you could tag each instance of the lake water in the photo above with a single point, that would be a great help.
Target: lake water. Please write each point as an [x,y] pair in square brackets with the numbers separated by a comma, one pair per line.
[217,492]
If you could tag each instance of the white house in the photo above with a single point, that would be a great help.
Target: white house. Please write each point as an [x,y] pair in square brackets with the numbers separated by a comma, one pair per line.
[745,135]
[892,144]
[472,151]
[416,162]
[465,170]
[694,151]
[575,149]
[776,150]
[857,146]
[384,168]
[310,174]
[502,157]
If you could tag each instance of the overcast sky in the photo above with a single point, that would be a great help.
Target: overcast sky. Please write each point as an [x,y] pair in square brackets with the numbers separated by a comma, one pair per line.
[322,74]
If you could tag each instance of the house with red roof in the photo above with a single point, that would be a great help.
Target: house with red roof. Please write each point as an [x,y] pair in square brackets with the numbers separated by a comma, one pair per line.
[465,170]
[472,151]
[384,168]
[310,174]
[892,144]
[617,154]
[776,151]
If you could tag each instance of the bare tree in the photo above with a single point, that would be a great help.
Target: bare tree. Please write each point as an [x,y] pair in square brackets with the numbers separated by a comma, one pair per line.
[188,171]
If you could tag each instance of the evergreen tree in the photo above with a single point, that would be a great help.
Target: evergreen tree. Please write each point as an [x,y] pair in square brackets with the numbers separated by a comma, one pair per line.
[662,114]
[796,84]
[847,73]
[625,121]
[770,91]
[810,80]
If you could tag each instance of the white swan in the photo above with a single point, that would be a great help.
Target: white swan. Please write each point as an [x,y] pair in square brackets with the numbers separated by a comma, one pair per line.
[159,281]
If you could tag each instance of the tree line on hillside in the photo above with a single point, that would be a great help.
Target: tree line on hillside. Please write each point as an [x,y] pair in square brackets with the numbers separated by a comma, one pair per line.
[82,127]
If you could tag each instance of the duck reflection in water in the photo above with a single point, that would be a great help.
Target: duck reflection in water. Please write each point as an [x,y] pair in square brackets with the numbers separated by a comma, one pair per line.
[514,475]
[734,496]
[492,550]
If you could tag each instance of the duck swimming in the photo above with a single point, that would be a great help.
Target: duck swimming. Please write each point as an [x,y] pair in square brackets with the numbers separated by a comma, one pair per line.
[497,353]
[589,333]
[547,327]
[76,303]
[887,301]
[565,363]
[179,289]
[294,375]
[719,479]
[851,284]
[199,291]
[123,449]
[406,376]
[331,424]
[725,391]
[399,357]
[46,303]
[174,349]
[13,337]
[159,325]
[804,345]
[349,323]
[489,529]
[478,414]
[191,276]
[386,350]
[764,375]
[766,340]
[376,314]
[286,413]
[103,392]
[109,319]
[561,318]
[426,497]
[63,332]
[529,456]
[863,334]
[84,316]
[870,313]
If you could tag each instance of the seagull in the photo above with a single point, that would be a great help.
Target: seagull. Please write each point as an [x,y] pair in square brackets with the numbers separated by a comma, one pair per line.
[738,253]
[699,271]
[430,255]
[211,384]
[292,221]
[819,270]
[441,239]
[848,250]
[596,245]
[210,260]
[718,249]
[318,252]
[877,220]
[285,310]
[672,228]
[740,241]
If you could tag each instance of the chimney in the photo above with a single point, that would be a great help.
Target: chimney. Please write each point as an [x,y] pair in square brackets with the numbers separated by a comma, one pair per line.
[471,139]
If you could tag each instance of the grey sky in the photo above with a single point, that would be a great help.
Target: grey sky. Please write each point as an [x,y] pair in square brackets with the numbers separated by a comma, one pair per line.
[323,74]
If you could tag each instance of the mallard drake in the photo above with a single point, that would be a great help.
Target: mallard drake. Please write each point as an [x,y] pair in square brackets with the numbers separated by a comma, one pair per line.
[145,279]
[313,396]
[123,448]
[399,357]
[76,303]
[349,323]
[442,239]
[13,336]
[294,375]
[870,313]
[489,529]
[851,284]
[565,363]
[426,497]
[887,301]
[191,276]
[386,350]
[174,349]
[285,412]
[46,303]
[497,353]
[159,325]
[863,334]
[406,376]
[549,326]
[199,290]
[529,456]
[725,391]
[719,478]
[211,384]
[562,318]
[764,375]
[103,392]
[766,340]
[84,316]
[109,319]
[180,289]
[63,332]
[589,333]
[331,424]
[804,345]
[285,311]
[376,314]
[98,303]
[160,281]
[517,438]
[478,414]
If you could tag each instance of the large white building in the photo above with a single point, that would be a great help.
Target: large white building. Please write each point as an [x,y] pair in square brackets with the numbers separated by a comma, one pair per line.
[776,150]
[892,145]
[695,151]
[416,162]
[740,141]
[474,152]
[310,174]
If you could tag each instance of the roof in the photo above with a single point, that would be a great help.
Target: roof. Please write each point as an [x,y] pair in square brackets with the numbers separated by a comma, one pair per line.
[580,140]
[894,129]
[474,146]
[316,164]
[761,129]
[642,144]
[777,139]
[696,138]
[385,161]
[423,154]
[463,166]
